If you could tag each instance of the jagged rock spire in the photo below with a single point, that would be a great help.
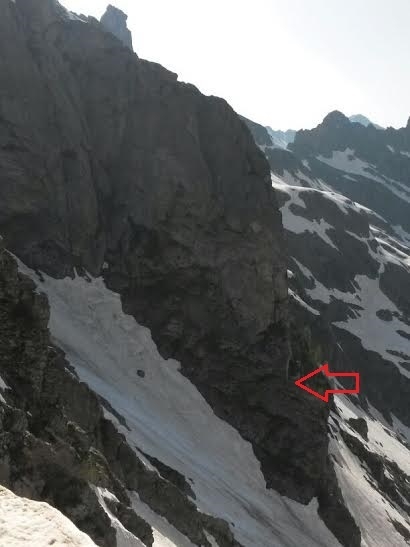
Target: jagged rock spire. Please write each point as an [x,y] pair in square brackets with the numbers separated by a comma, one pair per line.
[115,21]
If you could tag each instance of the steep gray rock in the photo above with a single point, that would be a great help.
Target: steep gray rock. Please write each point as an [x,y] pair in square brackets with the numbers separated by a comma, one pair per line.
[115,21]
[259,133]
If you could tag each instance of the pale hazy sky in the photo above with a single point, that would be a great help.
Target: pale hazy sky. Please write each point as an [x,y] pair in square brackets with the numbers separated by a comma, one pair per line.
[284,63]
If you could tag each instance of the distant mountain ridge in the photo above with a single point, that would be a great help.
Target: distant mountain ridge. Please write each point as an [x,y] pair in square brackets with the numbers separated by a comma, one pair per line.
[282,139]
[342,153]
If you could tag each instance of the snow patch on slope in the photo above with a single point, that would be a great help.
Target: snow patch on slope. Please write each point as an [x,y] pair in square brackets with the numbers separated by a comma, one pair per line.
[296,192]
[165,535]
[299,224]
[3,387]
[347,161]
[123,536]
[375,334]
[74,17]
[26,522]
[402,430]
[169,419]
[300,179]
[402,234]
[364,500]
[302,303]
[370,509]
[382,437]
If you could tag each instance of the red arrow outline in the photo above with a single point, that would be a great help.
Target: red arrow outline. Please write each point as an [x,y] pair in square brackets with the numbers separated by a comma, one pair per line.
[325,369]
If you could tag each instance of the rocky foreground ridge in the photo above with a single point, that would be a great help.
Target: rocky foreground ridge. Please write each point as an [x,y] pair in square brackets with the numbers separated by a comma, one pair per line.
[57,444]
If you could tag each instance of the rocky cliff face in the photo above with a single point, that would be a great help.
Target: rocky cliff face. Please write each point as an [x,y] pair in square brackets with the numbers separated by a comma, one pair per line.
[99,124]
[111,166]
[115,21]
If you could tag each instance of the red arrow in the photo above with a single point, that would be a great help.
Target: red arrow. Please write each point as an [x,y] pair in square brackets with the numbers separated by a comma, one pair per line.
[326,372]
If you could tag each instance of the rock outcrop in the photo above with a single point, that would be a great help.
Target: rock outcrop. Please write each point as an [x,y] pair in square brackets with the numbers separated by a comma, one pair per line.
[115,21]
